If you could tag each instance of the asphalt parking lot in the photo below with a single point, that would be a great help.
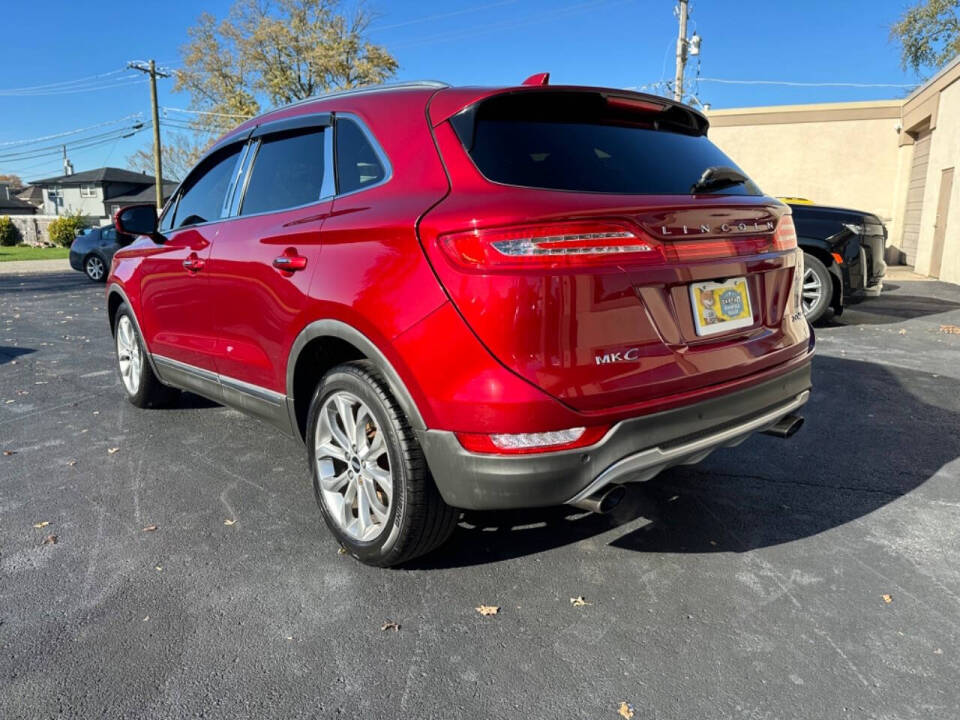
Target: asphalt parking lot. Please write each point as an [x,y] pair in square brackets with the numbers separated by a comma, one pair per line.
[750,586]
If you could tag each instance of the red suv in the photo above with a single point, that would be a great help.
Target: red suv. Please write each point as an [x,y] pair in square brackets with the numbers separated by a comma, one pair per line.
[469,298]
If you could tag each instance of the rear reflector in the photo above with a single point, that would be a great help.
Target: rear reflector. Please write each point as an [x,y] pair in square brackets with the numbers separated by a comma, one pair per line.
[525,443]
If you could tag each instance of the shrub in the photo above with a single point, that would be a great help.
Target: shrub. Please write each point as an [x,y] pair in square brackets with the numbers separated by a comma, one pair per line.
[9,233]
[64,229]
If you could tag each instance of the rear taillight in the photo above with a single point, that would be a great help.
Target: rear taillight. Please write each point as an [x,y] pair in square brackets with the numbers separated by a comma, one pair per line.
[552,245]
[785,236]
[526,443]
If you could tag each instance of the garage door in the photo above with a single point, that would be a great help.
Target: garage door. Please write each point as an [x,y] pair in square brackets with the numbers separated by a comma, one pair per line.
[918,181]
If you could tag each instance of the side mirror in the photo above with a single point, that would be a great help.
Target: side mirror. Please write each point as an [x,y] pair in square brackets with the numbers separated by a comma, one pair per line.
[136,220]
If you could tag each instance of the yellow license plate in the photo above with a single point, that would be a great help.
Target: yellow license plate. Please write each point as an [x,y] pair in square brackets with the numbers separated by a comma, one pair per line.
[721,306]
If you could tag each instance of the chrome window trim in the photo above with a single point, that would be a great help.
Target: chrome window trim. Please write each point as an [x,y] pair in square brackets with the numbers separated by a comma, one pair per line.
[228,201]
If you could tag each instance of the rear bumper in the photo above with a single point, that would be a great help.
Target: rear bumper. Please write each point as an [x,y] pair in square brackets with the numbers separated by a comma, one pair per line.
[633,451]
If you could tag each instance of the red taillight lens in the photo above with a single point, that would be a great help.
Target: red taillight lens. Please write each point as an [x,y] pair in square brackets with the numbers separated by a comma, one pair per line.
[526,443]
[690,250]
[785,236]
[551,246]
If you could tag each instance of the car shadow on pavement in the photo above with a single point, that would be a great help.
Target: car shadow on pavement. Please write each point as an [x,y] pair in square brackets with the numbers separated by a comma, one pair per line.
[873,433]
[11,352]
[888,309]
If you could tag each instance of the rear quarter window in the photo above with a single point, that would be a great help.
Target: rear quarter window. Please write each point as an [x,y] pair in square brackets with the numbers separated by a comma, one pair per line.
[577,142]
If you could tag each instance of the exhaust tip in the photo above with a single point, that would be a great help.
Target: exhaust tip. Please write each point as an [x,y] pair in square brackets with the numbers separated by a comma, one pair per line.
[785,427]
[604,500]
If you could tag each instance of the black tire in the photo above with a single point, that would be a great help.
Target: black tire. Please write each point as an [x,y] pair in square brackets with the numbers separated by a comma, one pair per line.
[148,391]
[821,305]
[418,520]
[95,268]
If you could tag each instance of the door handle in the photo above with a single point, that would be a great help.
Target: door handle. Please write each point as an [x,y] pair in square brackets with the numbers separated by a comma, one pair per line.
[193,263]
[290,263]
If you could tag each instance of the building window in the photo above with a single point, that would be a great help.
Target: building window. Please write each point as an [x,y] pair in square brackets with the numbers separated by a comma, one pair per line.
[88,191]
[54,196]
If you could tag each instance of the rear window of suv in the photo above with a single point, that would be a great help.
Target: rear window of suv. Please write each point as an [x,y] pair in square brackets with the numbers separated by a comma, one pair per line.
[581,142]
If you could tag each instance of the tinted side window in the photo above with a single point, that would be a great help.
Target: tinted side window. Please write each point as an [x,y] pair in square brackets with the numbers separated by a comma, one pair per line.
[201,199]
[287,172]
[357,163]
[108,235]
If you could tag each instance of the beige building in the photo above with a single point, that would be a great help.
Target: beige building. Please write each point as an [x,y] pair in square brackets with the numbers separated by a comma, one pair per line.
[895,158]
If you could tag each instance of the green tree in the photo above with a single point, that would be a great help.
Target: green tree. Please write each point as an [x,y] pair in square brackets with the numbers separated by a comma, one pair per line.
[64,229]
[928,34]
[9,234]
[277,50]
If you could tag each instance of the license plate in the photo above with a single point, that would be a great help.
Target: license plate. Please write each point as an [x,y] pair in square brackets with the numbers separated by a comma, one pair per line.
[721,306]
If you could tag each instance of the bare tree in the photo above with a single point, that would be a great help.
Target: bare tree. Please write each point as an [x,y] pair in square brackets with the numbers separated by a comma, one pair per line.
[180,153]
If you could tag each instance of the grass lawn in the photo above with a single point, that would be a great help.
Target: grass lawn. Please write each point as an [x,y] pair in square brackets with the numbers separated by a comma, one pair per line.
[25,252]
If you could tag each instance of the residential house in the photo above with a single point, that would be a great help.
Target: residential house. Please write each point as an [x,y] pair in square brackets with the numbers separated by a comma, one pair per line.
[10,204]
[33,195]
[98,193]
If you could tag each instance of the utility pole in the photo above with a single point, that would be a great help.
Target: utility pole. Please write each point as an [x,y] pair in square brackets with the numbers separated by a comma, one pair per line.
[681,52]
[151,70]
[685,46]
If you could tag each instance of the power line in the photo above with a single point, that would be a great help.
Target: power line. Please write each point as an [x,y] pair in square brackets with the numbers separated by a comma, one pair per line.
[74,89]
[18,154]
[63,82]
[507,25]
[79,144]
[440,16]
[31,141]
[205,112]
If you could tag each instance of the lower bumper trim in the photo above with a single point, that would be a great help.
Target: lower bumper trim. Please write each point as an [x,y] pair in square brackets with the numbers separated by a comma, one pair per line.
[646,464]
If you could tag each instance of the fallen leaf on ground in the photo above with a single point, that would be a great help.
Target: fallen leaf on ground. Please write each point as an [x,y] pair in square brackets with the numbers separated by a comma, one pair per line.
[625,710]
[8,453]
[887,598]
[950,329]
[146,618]
[578,601]
[50,540]
[111,451]
[158,568]
[41,524]
[96,412]
[488,609]
[150,528]
[902,331]
[390,625]
[228,521]
[72,463]
[341,550]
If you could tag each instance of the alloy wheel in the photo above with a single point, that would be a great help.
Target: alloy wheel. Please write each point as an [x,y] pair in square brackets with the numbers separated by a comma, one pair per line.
[129,355]
[95,268]
[812,290]
[353,467]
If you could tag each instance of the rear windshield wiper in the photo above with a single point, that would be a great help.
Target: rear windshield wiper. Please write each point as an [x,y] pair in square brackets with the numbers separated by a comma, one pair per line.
[718,176]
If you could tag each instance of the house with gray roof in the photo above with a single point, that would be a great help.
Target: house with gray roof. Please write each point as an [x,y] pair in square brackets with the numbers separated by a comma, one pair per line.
[98,193]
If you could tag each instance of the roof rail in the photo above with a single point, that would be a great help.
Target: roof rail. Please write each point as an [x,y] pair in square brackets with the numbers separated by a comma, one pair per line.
[363,90]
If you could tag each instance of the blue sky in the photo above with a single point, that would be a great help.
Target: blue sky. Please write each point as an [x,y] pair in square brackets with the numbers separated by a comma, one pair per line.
[619,43]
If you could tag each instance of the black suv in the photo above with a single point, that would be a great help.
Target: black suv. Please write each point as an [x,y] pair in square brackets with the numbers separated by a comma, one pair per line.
[843,252]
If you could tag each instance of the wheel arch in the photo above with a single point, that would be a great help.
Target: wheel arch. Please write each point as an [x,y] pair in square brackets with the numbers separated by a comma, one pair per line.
[324,344]
[820,251]
[115,298]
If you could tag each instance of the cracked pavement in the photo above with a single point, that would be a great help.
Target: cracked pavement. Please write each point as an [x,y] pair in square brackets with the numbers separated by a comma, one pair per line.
[749,586]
